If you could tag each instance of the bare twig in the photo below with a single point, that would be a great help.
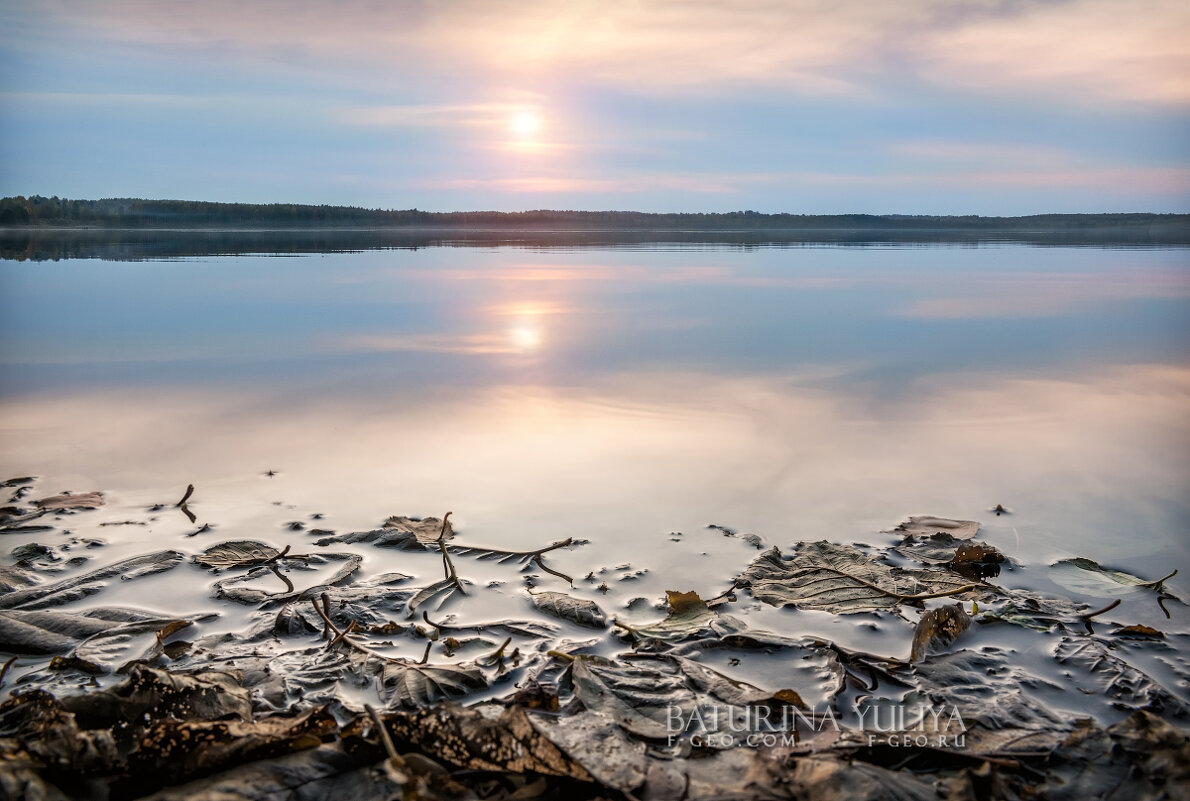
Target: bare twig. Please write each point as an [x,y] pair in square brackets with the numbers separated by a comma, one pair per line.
[186,497]
[1099,612]
[280,575]
[538,561]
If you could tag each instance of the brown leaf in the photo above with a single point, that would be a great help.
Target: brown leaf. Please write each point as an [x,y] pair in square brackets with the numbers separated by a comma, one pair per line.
[67,500]
[976,560]
[938,627]
[927,525]
[1139,630]
[178,750]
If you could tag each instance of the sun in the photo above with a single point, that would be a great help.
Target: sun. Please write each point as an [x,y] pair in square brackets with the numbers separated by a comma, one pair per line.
[524,124]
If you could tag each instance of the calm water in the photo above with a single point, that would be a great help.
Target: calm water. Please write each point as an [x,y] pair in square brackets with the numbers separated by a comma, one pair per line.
[614,394]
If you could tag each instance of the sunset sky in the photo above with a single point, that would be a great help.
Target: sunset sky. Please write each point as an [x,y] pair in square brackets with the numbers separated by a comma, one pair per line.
[916,106]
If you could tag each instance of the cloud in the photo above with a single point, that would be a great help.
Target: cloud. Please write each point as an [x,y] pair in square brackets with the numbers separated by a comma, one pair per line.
[997,296]
[1078,51]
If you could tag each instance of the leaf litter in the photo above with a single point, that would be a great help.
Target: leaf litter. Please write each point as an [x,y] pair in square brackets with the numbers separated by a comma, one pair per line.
[518,711]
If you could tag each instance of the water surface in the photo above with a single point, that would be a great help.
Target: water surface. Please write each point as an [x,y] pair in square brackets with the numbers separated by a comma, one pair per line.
[625,395]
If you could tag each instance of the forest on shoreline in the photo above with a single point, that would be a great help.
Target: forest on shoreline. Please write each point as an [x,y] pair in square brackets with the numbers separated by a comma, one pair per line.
[48,212]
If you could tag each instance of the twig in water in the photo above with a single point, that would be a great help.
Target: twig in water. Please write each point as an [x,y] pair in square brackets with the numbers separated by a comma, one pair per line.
[538,561]
[186,497]
[426,656]
[7,667]
[1099,612]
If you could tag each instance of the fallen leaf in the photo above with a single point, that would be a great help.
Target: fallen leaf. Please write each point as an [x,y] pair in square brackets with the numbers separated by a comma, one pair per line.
[922,526]
[403,533]
[1091,578]
[69,501]
[1094,667]
[938,627]
[237,553]
[77,587]
[688,617]
[567,607]
[842,579]
[1139,630]
[411,685]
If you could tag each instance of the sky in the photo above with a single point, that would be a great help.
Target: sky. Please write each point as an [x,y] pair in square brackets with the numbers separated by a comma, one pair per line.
[992,107]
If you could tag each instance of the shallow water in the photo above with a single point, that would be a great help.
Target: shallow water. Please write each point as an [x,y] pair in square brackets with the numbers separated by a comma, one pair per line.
[626,396]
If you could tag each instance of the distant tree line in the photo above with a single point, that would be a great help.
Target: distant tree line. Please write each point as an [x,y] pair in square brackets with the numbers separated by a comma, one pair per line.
[38,211]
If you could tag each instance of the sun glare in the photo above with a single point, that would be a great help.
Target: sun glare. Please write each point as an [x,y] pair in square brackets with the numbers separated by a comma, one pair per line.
[525,337]
[524,124]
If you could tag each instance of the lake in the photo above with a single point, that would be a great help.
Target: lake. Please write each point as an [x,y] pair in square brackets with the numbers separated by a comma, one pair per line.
[627,394]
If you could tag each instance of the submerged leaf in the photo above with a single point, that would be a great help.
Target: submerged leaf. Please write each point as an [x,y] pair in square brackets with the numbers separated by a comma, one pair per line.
[688,617]
[1102,671]
[50,632]
[443,590]
[76,587]
[403,533]
[938,627]
[1091,578]
[68,501]
[922,526]
[237,553]
[841,579]
[567,607]
[412,685]
[230,589]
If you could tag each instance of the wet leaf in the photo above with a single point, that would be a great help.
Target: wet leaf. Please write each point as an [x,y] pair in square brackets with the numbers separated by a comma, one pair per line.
[442,591]
[173,751]
[990,686]
[76,587]
[69,501]
[567,607]
[922,526]
[52,632]
[938,628]
[1096,668]
[484,738]
[53,736]
[325,772]
[403,533]
[238,553]
[976,560]
[688,617]
[202,695]
[231,590]
[1089,577]
[842,579]
[12,578]
[1139,630]
[1142,757]
[410,685]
